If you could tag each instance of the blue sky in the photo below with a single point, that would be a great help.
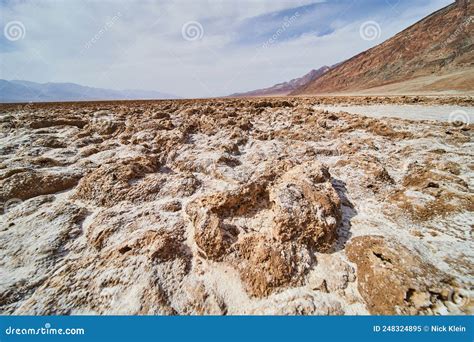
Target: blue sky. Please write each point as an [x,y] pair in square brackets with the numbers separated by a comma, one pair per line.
[229,46]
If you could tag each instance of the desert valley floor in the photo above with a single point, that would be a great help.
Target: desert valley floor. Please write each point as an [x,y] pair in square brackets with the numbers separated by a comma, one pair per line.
[234,206]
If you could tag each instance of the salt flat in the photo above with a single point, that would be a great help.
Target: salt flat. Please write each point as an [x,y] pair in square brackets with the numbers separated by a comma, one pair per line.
[410,112]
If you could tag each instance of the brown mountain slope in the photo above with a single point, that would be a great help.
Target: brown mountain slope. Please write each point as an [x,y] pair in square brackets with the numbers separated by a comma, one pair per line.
[438,45]
[286,87]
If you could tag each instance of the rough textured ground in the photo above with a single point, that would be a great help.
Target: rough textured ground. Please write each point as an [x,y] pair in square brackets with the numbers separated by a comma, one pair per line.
[234,206]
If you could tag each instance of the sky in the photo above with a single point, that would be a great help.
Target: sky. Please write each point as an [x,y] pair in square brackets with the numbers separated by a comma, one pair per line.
[192,48]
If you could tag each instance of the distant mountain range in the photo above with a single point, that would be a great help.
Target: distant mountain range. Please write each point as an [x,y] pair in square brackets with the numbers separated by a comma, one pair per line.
[285,88]
[25,91]
[434,55]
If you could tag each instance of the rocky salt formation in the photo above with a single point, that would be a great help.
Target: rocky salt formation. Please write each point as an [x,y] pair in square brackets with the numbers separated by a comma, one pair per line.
[233,206]
[270,228]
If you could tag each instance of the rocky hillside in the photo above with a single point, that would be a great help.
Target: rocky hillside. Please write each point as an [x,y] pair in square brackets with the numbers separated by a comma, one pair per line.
[286,87]
[233,206]
[440,44]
